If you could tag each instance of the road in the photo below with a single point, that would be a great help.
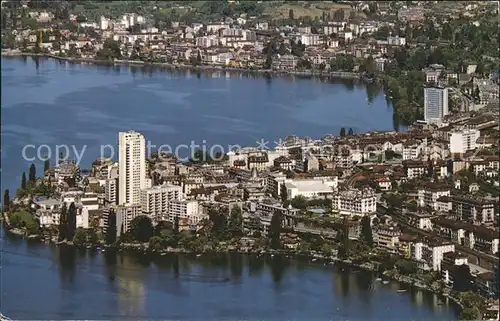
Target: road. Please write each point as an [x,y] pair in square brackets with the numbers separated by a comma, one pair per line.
[350,181]
[464,101]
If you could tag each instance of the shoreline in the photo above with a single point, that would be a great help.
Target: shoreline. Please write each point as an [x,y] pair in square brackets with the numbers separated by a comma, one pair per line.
[387,275]
[275,73]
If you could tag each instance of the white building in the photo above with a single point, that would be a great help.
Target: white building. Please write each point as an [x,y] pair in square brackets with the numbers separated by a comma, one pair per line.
[104,23]
[124,215]
[431,254]
[428,196]
[188,210]
[207,41]
[396,41]
[132,163]
[412,151]
[355,202]
[464,140]
[310,39]
[111,191]
[155,200]
[311,188]
[435,104]
[262,26]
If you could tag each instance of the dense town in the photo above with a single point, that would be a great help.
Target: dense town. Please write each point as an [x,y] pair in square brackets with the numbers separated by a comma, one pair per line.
[420,206]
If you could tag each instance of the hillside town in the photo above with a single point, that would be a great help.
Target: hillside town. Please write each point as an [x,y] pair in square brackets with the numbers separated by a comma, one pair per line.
[405,46]
[420,205]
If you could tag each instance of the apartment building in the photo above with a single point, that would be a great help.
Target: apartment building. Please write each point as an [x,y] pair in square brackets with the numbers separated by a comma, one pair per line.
[124,215]
[476,237]
[355,202]
[475,210]
[463,140]
[132,166]
[187,210]
[155,201]
[435,104]
[111,191]
[414,169]
[430,253]
[428,195]
[388,238]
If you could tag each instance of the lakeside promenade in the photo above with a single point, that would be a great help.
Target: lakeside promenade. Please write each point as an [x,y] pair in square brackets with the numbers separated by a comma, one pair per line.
[306,73]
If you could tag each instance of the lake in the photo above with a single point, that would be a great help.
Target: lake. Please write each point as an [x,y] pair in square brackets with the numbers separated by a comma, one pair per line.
[47,102]
[48,282]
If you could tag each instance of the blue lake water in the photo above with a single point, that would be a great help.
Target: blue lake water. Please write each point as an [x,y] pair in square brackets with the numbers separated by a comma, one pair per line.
[53,103]
[84,106]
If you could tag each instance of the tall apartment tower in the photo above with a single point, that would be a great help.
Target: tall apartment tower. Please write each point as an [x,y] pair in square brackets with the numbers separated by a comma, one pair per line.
[132,167]
[435,104]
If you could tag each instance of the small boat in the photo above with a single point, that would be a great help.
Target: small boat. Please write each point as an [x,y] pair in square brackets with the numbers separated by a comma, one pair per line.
[163,254]
[378,279]
[103,250]
[313,260]
[401,291]
[198,255]
[385,282]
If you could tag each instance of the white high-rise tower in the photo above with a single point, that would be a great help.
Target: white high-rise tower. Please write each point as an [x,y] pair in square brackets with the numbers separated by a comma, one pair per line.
[132,167]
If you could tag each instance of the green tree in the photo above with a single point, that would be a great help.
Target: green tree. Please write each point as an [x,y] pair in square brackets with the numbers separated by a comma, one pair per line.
[156,243]
[32,173]
[141,228]
[236,222]
[275,230]
[46,165]
[462,278]
[299,202]
[406,267]
[80,237]
[81,19]
[71,221]
[6,200]
[111,228]
[198,58]
[342,239]
[468,314]
[218,217]
[163,227]
[496,282]
[92,237]
[23,181]
[366,231]
[290,14]
[283,192]
[176,224]
[63,223]
[342,132]
[110,50]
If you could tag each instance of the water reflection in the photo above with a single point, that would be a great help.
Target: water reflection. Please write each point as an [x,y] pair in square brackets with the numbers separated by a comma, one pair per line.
[278,267]
[110,261]
[131,297]
[255,265]
[236,265]
[67,265]
[125,285]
